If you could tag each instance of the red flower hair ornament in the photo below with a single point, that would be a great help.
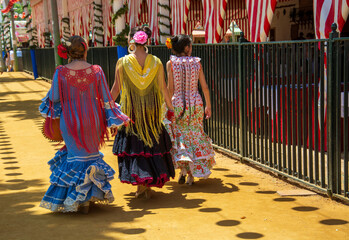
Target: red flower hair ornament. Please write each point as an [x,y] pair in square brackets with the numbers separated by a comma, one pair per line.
[62,48]
[62,51]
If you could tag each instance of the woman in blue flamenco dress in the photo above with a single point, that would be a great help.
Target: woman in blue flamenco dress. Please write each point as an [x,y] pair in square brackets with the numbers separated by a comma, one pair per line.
[79,96]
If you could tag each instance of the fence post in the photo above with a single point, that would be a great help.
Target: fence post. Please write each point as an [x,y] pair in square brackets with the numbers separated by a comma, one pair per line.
[242,98]
[332,112]
[34,66]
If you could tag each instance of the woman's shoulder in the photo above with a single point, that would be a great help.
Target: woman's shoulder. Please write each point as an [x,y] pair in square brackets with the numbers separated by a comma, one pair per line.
[154,57]
[92,69]
[189,59]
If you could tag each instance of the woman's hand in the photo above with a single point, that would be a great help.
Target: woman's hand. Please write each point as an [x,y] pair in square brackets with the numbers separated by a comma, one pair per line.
[170,115]
[113,131]
[208,112]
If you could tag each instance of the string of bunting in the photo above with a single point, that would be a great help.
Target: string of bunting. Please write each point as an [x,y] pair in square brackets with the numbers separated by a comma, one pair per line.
[66,29]
[98,30]
[161,16]
[47,38]
[7,36]
[28,20]
[120,39]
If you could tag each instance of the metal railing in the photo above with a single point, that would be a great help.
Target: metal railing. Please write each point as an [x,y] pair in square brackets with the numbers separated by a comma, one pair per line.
[279,105]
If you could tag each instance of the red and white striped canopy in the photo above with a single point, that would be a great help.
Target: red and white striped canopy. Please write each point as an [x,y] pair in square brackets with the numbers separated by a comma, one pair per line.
[179,15]
[214,12]
[153,18]
[260,14]
[134,12]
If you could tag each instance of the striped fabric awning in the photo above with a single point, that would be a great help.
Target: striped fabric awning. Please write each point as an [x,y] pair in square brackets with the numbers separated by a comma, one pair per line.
[143,13]
[214,14]
[260,14]
[195,15]
[134,12]
[153,18]
[327,12]
[179,15]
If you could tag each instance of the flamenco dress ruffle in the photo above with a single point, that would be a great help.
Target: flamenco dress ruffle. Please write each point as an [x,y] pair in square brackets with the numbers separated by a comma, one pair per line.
[193,152]
[140,164]
[77,176]
[192,148]
[77,180]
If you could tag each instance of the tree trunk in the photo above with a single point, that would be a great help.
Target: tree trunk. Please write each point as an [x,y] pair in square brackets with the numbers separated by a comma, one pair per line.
[56,35]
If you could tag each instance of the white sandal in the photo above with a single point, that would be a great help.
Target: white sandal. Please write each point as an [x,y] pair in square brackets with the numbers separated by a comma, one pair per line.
[190,180]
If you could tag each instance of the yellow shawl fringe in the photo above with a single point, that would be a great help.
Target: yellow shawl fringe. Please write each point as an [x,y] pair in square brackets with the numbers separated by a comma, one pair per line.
[141,97]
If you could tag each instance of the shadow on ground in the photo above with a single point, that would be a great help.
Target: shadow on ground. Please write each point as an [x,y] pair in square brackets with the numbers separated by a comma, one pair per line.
[23,204]
[22,110]
[177,198]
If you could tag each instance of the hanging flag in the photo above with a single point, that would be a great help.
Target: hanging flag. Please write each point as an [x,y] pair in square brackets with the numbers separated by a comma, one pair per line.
[214,14]
[9,6]
[327,12]
[260,14]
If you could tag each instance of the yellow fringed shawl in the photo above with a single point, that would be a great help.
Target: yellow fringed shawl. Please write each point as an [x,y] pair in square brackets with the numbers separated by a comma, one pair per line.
[141,97]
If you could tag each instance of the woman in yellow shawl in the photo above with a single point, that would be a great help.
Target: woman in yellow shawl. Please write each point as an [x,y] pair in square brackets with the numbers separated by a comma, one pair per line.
[143,147]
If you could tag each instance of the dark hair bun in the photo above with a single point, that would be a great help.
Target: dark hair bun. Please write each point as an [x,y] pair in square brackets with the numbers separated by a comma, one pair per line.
[144,28]
[179,42]
[76,50]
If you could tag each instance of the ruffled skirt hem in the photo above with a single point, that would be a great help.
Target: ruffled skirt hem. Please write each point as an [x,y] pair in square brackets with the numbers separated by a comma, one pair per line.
[75,182]
[199,167]
[69,208]
[143,165]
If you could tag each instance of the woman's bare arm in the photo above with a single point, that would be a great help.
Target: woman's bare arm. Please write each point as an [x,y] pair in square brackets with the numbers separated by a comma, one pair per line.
[170,84]
[164,89]
[115,90]
[206,92]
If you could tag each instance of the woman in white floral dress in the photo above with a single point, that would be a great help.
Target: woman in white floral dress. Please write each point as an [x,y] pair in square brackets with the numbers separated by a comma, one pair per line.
[192,149]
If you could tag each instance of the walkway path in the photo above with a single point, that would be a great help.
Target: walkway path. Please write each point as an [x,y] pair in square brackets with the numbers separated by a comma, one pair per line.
[237,202]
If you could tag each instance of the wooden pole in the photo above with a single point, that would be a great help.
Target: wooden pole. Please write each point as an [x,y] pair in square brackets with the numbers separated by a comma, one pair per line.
[56,35]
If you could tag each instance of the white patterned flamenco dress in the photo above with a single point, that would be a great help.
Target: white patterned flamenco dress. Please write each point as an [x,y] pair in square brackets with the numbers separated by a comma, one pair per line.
[192,149]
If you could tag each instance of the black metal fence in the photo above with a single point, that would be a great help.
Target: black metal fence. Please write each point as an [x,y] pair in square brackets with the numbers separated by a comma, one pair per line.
[106,57]
[279,105]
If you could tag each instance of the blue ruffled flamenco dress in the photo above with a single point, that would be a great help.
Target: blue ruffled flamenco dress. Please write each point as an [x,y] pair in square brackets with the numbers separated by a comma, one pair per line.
[79,173]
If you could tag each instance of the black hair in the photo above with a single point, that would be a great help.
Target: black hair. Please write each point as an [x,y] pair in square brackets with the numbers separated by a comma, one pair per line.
[143,28]
[179,42]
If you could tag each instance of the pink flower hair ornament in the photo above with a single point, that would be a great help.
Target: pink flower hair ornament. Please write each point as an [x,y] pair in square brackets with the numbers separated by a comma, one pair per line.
[140,37]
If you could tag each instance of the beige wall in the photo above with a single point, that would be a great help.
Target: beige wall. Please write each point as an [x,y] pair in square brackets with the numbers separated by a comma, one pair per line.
[281,22]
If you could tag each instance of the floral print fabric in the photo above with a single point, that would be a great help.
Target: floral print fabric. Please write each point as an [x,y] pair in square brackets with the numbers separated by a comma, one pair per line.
[192,148]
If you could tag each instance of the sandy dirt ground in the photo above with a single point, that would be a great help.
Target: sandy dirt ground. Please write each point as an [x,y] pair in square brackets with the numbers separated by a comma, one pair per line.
[236,202]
